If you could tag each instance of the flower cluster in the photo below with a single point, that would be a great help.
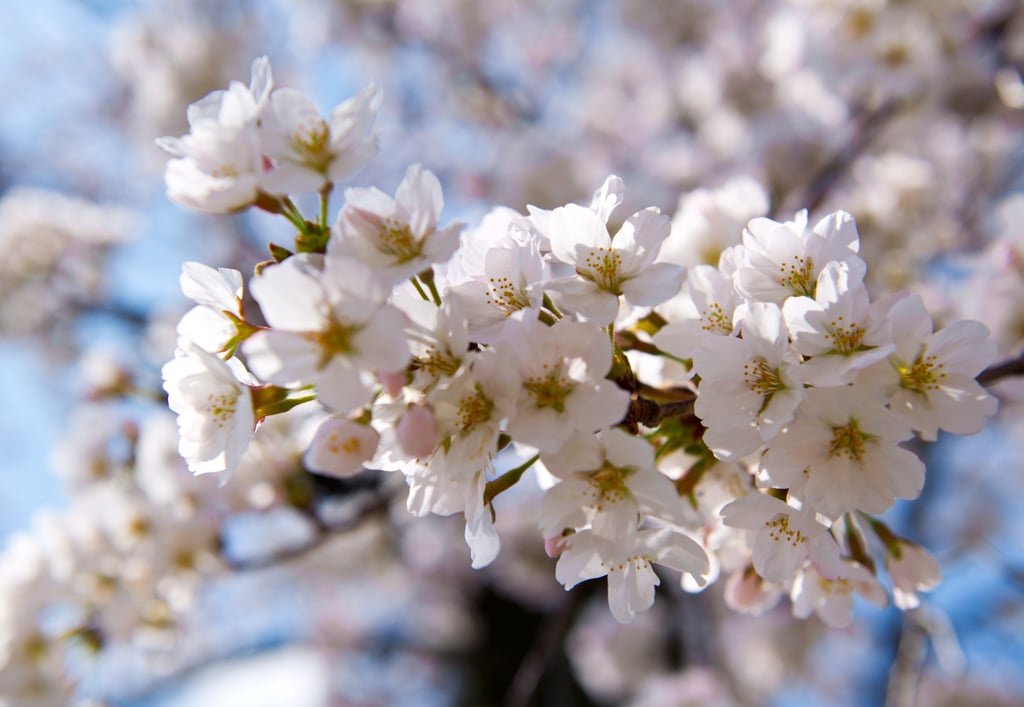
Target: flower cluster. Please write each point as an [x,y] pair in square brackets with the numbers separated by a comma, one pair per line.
[589,350]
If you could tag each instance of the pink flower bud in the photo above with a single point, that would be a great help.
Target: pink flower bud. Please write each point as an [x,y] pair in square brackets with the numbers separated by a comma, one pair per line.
[554,546]
[392,381]
[417,432]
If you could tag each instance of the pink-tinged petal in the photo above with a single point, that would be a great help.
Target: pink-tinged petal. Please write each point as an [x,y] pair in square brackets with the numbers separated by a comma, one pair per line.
[683,554]
[481,537]
[640,238]
[564,504]
[292,178]
[964,347]
[542,428]
[776,559]
[732,442]
[631,590]
[594,407]
[837,237]
[580,561]
[655,284]
[364,208]
[597,306]
[901,472]
[837,611]
[381,344]
[342,387]
[419,200]
[574,229]
[607,197]
[218,289]
[282,357]
[581,452]
[289,298]
[624,450]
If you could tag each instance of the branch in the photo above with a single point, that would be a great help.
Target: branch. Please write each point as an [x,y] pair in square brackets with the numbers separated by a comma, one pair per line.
[992,374]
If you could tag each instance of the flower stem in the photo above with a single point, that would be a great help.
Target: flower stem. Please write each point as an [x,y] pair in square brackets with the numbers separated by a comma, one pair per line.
[419,288]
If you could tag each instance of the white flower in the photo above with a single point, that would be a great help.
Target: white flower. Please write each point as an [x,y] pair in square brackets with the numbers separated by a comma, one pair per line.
[219,164]
[216,419]
[913,570]
[606,266]
[503,274]
[841,453]
[309,152]
[341,447]
[470,409]
[611,495]
[468,413]
[936,372]
[438,337]
[703,309]
[562,369]
[398,237]
[839,328]
[780,260]
[324,334]
[605,200]
[784,537]
[832,599]
[628,564]
[218,294]
[748,388]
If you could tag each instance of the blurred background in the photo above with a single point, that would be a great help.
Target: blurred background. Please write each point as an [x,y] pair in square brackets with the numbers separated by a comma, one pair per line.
[126,581]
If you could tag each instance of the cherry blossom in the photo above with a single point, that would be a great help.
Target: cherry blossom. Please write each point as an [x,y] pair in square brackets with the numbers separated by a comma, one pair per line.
[832,599]
[324,333]
[785,537]
[841,453]
[627,562]
[308,152]
[936,388]
[749,385]
[218,166]
[397,236]
[561,370]
[609,266]
[215,409]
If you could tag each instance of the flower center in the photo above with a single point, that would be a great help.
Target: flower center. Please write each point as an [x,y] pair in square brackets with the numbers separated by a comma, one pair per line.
[848,441]
[762,378]
[639,562]
[713,320]
[395,238]
[226,171]
[438,363]
[610,483]
[335,340]
[840,587]
[601,266]
[845,336]
[221,406]
[779,531]
[503,295]
[796,275]
[474,409]
[549,390]
[924,375]
[313,140]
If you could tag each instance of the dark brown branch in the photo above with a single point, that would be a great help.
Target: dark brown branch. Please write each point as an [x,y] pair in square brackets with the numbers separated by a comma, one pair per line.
[1013,367]
[649,413]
